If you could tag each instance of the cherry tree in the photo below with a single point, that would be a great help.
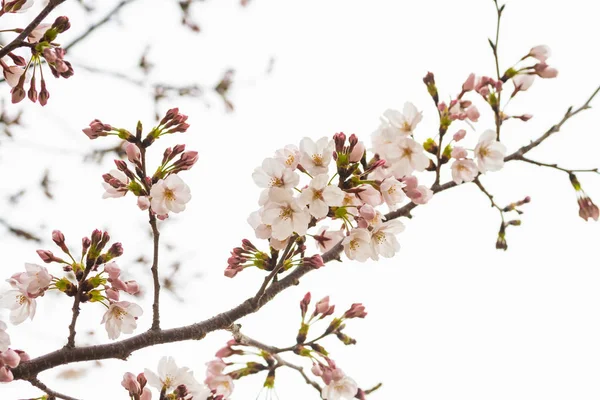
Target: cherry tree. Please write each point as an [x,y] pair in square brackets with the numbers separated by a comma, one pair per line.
[332,198]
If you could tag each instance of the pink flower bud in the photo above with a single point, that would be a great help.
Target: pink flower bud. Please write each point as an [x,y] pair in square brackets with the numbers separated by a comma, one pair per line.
[316,370]
[367,212]
[143,203]
[10,358]
[131,384]
[45,255]
[357,152]
[215,367]
[146,394]
[112,294]
[541,52]
[337,374]
[473,113]
[304,303]
[118,284]
[133,153]
[141,378]
[460,135]
[132,287]
[113,270]
[224,352]
[23,355]
[357,310]
[544,71]
[322,306]
[469,83]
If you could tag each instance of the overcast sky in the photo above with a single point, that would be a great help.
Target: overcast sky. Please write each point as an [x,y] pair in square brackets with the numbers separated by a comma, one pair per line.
[450,316]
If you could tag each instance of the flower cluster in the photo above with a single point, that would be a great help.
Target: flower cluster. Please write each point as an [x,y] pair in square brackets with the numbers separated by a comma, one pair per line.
[172,382]
[97,279]
[164,191]
[43,50]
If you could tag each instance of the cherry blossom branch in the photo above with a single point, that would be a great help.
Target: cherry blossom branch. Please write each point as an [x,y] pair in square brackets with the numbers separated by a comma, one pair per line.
[98,24]
[20,40]
[36,382]
[477,182]
[554,129]
[155,237]
[122,349]
[554,166]
[272,275]
[497,112]
[273,351]
[76,303]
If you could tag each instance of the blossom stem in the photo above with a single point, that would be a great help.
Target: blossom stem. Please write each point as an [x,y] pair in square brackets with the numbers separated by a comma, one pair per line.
[19,41]
[555,166]
[496,58]
[36,382]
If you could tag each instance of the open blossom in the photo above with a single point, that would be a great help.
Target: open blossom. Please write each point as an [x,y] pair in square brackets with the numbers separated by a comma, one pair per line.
[262,231]
[406,121]
[489,152]
[523,82]
[344,388]
[169,375]
[121,184]
[327,239]
[169,194]
[285,215]
[464,170]
[384,139]
[319,196]
[12,74]
[391,190]
[369,195]
[541,52]
[4,338]
[357,245]
[221,384]
[383,239]
[38,33]
[408,156]
[316,156]
[121,318]
[419,194]
[288,156]
[274,173]
[34,281]
[20,305]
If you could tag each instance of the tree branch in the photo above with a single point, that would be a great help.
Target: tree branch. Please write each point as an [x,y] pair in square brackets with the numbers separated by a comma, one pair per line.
[554,166]
[36,382]
[154,269]
[19,41]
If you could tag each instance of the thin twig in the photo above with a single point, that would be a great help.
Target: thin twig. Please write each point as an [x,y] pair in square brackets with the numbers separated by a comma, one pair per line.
[156,302]
[268,278]
[555,128]
[497,111]
[555,166]
[36,382]
[477,182]
[20,40]
[98,24]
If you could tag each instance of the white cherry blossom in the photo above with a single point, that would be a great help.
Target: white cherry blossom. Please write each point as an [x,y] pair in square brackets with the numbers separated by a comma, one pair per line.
[464,170]
[408,156]
[327,239]
[383,239]
[406,121]
[169,194]
[121,318]
[315,157]
[391,190]
[285,215]
[274,173]
[169,375]
[319,196]
[288,156]
[20,305]
[221,384]
[489,153]
[111,192]
[341,389]
[357,245]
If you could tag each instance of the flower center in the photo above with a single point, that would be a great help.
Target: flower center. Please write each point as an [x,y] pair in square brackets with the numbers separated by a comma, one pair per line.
[21,299]
[379,237]
[290,160]
[286,213]
[354,245]
[317,195]
[119,313]
[317,160]
[406,127]
[169,195]
[276,182]
[407,152]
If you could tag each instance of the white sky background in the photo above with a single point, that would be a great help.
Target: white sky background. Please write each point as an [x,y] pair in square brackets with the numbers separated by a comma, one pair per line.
[449,316]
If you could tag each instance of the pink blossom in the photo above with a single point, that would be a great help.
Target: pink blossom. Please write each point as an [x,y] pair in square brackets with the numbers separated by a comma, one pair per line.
[369,195]
[316,156]
[10,358]
[406,121]
[489,152]
[13,74]
[215,367]
[17,6]
[460,135]
[344,388]
[319,196]
[20,305]
[408,156]
[38,33]
[464,170]
[420,195]
[541,52]
[222,385]
[357,152]
[133,153]
[274,173]
[120,180]
[6,374]
[285,215]
[383,239]
[169,194]
[131,384]
[523,82]
[544,71]
[288,156]
[261,230]
[120,318]
[143,203]
[357,245]
[469,83]
[391,190]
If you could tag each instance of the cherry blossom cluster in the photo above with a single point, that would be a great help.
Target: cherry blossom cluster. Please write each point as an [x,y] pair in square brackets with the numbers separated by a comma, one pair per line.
[162,192]
[44,50]
[222,373]
[93,277]
[171,382]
